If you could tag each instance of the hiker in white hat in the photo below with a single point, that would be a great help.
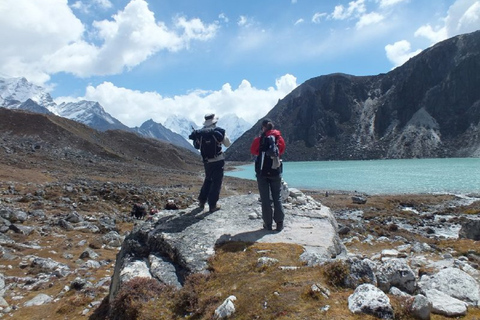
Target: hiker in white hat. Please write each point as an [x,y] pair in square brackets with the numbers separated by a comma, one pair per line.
[209,140]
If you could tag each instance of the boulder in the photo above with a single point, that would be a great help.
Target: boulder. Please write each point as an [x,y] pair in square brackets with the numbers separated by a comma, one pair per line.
[361,271]
[421,307]
[455,283]
[445,305]
[187,238]
[38,300]
[396,272]
[370,300]
[226,309]
[359,200]
[74,217]
[470,229]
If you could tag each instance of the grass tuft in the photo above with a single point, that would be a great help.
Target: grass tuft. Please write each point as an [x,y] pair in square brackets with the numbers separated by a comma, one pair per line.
[336,273]
[132,297]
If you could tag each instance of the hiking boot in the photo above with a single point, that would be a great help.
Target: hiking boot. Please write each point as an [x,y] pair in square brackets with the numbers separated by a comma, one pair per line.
[201,205]
[216,208]
[279,226]
[267,227]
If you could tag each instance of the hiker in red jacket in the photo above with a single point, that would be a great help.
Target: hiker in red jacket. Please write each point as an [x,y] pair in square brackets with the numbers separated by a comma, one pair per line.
[268,147]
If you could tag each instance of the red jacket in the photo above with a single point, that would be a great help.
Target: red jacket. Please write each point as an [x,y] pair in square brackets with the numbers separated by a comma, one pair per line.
[255,147]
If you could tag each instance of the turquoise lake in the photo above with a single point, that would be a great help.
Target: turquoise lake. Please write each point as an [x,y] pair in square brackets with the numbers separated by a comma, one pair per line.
[452,175]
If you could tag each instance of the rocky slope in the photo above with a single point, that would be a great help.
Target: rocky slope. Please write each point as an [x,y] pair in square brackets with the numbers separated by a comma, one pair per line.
[428,107]
[39,139]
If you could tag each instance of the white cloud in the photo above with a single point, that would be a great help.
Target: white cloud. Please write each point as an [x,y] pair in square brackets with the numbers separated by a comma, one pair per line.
[106,4]
[31,29]
[463,17]
[369,19]
[389,3]
[87,6]
[195,29]
[355,9]
[399,52]
[299,21]
[80,6]
[133,107]
[317,17]
[244,21]
[222,16]
[433,36]
[49,38]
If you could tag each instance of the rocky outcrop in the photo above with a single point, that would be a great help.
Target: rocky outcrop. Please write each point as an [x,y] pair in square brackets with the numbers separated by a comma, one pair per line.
[428,107]
[187,238]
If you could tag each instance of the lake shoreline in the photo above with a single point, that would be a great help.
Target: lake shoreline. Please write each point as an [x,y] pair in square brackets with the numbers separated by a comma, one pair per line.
[377,177]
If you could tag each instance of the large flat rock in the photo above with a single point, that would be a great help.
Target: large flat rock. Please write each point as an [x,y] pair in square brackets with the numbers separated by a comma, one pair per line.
[188,237]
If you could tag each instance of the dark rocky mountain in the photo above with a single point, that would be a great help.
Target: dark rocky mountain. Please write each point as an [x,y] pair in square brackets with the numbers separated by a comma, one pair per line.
[30,105]
[428,107]
[152,129]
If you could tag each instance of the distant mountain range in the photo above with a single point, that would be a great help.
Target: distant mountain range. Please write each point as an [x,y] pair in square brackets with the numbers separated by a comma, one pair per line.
[20,94]
[234,125]
[427,108]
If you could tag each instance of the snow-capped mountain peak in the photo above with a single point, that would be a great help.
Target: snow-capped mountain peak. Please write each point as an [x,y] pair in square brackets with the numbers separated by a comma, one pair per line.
[15,91]
[233,125]
[180,125]
[90,113]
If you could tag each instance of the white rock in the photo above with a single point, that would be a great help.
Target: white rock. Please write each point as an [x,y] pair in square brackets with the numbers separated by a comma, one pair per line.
[445,305]
[266,262]
[135,269]
[226,309]
[38,300]
[389,253]
[370,300]
[455,283]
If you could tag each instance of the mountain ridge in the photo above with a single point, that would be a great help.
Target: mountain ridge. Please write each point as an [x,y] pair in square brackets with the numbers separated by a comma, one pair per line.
[18,93]
[429,107]
[37,140]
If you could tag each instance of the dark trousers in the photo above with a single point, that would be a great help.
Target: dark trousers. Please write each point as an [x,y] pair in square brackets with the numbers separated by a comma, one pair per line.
[212,184]
[273,186]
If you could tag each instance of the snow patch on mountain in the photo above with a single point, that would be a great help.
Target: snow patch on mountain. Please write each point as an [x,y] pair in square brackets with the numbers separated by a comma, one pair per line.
[15,91]
[180,125]
[233,125]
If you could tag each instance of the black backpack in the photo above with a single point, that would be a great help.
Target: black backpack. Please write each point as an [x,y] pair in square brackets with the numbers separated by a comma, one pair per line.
[209,141]
[268,149]
[270,146]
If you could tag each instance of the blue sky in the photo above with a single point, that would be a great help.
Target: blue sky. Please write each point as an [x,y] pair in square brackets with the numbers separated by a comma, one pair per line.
[149,59]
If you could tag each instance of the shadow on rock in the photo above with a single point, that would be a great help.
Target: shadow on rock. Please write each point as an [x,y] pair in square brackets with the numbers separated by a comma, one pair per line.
[178,223]
[249,236]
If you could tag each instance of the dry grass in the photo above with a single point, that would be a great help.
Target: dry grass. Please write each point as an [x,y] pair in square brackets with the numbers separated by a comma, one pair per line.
[264,293]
